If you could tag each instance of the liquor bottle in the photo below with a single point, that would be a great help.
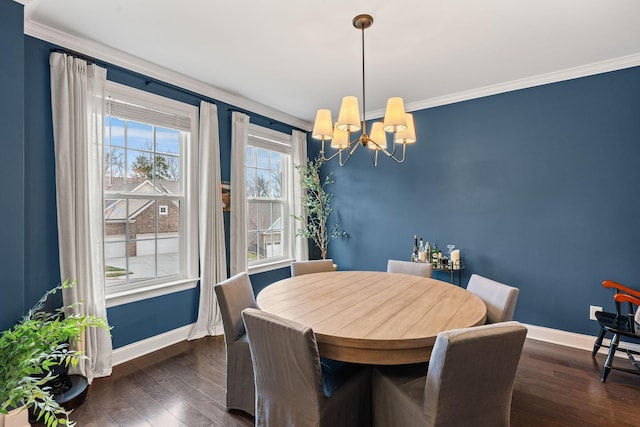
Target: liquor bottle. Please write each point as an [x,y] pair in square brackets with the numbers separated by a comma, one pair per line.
[421,255]
[427,252]
[414,255]
[434,255]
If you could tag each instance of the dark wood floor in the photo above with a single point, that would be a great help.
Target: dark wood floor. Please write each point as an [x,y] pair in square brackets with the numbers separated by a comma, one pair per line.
[183,385]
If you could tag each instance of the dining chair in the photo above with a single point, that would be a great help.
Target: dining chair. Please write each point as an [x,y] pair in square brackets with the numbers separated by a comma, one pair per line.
[619,329]
[500,299]
[234,295]
[423,269]
[468,382]
[299,268]
[608,319]
[293,388]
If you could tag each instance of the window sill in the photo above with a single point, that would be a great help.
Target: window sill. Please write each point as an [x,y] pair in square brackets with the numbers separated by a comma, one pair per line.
[270,266]
[138,294]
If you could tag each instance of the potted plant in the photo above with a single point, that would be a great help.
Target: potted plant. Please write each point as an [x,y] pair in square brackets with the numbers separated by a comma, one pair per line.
[28,353]
[316,201]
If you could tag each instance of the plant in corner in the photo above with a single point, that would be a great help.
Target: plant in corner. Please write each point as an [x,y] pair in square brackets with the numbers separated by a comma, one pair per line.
[316,202]
[31,349]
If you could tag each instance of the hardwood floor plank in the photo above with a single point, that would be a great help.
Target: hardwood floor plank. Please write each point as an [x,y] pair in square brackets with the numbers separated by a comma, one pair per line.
[184,385]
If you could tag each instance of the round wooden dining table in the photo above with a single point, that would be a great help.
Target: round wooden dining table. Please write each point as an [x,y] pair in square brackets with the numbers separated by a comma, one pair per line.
[373,317]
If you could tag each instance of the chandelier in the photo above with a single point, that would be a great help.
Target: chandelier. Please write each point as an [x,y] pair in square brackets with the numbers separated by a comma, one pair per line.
[396,121]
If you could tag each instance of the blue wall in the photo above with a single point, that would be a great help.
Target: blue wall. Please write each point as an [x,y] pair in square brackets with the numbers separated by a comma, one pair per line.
[538,188]
[12,228]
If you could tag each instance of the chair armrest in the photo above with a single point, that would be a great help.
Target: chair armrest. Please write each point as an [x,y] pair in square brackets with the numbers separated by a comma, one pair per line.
[626,298]
[616,285]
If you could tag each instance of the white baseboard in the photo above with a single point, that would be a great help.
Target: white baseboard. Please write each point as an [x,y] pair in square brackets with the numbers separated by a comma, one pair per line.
[538,333]
[571,339]
[149,345]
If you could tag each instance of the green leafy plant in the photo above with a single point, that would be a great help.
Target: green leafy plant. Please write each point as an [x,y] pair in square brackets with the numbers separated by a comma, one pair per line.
[31,349]
[316,201]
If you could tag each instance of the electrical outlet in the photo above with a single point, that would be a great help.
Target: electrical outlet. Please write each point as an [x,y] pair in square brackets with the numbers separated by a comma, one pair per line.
[592,311]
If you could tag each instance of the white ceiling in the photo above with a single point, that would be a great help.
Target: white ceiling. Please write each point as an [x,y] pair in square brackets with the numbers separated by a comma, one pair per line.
[298,56]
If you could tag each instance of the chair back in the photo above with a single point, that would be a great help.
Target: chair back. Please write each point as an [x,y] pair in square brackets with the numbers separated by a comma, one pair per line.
[234,295]
[423,269]
[299,268]
[287,370]
[499,298]
[471,375]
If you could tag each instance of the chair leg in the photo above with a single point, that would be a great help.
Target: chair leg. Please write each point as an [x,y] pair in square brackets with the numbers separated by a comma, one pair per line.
[608,364]
[598,342]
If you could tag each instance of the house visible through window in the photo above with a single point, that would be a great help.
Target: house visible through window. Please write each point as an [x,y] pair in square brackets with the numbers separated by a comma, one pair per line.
[269,223]
[147,198]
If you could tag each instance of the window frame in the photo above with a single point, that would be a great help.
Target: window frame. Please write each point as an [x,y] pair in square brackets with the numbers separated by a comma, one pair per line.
[269,139]
[188,276]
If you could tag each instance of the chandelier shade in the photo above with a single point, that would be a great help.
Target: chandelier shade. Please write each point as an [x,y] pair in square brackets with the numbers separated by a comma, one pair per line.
[407,136]
[396,121]
[322,127]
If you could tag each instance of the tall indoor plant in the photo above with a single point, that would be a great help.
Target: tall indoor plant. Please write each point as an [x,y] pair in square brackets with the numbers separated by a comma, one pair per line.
[316,201]
[31,349]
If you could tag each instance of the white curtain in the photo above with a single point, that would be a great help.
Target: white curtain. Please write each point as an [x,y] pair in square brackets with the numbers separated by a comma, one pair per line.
[213,260]
[77,92]
[239,141]
[299,154]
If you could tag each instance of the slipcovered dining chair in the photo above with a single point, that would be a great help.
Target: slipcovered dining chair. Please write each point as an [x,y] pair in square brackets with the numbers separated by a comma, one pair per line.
[293,388]
[499,298]
[423,269]
[299,268]
[234,295]
[468,382]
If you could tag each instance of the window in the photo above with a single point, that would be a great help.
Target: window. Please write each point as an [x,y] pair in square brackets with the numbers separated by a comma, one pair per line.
[268,179]
[149,224]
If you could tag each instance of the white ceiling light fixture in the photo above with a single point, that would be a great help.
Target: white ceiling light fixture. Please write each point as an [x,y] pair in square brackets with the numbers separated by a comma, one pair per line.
[396,121]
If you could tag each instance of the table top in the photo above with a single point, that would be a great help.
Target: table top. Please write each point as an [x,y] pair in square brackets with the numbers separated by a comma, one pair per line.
[373,317]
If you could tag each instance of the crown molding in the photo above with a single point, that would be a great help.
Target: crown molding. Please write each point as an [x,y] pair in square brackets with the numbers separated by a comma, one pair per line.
[539,80]
[133,63]
[130,62]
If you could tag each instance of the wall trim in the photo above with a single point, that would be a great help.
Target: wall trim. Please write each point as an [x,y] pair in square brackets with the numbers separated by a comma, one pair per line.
[149,345]
[129,62]
[571,339]
[539,80]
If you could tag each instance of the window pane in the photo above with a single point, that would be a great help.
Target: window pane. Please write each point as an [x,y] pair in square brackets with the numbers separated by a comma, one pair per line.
[140,166]
[276,160]
[140,244]
[114,169]
[275,187]
[139,136]
[251,182]
[114,132]
[168,174]
[262,158]
[167,140]
[262,183]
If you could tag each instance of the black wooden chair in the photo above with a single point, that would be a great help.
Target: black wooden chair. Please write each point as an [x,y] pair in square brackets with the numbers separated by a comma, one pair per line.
[617,319]
[619,327]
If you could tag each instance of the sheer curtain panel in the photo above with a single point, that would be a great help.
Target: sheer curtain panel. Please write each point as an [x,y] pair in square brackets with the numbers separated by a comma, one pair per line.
[239,141]
[213,261]
[299,153]
[77,92]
